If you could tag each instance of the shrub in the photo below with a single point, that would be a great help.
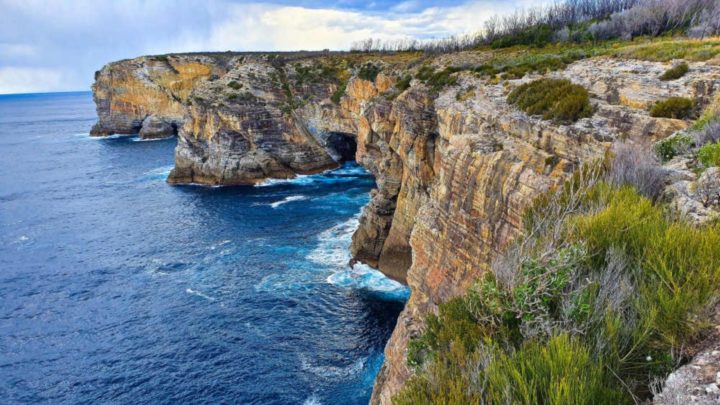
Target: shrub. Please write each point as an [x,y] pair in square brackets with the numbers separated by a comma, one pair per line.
[674,107]
[562,370]
[709,155]
[672,146]
[404,83]
[638,167]
[235,85]
[554,99]
[339,93]
[437,80]
[708,133]
[368,72]
[675,72]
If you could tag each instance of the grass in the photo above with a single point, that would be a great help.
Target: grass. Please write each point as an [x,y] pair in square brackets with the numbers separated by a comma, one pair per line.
[553,99]
[592,306]
[674,107]
[665,50]
[675,72]
[709,155]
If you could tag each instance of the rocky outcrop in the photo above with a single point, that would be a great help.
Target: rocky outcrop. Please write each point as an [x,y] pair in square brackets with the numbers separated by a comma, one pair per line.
[128,92]
[698,382]
[454,170]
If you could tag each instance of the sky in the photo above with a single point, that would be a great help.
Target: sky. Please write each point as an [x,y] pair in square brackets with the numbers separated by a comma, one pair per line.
[56,45]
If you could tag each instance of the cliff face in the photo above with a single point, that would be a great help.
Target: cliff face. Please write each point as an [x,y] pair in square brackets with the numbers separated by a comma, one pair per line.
[454,169]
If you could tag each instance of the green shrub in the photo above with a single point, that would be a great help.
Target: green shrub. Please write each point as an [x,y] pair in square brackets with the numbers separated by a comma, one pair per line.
[709,155]
[368,72]
[672,146]
[554,99]
[675,72]
[404,83]
[674,107]
[235,85]
[560,371]
[437,80]
[339,93]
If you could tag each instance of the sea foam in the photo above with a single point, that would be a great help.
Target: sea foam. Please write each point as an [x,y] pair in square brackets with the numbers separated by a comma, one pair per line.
[288,199]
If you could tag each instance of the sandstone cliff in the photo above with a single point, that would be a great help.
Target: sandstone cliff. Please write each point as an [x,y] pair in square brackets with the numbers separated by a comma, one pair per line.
[455,166]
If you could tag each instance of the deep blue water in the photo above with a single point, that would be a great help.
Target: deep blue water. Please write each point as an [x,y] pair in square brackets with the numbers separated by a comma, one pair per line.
[118,288]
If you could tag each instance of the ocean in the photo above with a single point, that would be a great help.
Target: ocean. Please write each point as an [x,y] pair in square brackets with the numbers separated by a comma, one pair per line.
[116,287]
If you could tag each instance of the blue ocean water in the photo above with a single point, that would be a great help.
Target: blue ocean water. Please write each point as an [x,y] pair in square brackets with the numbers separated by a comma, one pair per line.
[118,288]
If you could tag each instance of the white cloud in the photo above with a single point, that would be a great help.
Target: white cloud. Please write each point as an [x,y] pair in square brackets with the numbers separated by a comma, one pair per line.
[30,80]
[73,39]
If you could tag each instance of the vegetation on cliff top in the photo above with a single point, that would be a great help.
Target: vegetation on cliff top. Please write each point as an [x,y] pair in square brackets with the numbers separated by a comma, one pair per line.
[594,305]
[554,99]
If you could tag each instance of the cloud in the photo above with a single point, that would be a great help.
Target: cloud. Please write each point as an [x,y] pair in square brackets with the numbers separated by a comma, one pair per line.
[30,80]
[72,39]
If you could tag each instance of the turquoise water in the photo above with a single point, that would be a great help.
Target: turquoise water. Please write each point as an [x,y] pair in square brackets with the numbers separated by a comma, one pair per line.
[118,288]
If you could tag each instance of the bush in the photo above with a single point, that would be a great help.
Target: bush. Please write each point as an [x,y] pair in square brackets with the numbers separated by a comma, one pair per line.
[672,146]
[404,83]
[708,133]
[709,155]
[368,72]
[437,80]
[675,72]
[235,85]
[636,166]
[554,99]
[674,107]
[339,93]
[562,370]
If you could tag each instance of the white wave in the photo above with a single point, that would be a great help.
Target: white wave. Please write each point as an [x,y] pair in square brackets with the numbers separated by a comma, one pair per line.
[288,200]
[333,252]
[333,249]
[138,139]
[219,244]
[363,277]
[113,136]
[333,372]
[159,173]
[299,179]
[199,294]
[312,400]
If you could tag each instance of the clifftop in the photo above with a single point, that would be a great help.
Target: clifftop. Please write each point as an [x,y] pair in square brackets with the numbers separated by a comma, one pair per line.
[456,164]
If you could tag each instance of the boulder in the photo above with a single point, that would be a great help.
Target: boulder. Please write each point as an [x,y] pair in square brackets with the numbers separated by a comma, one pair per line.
[154,127]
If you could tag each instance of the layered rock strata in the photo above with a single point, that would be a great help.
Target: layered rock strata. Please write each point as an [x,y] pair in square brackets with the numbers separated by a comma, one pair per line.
[455,169]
